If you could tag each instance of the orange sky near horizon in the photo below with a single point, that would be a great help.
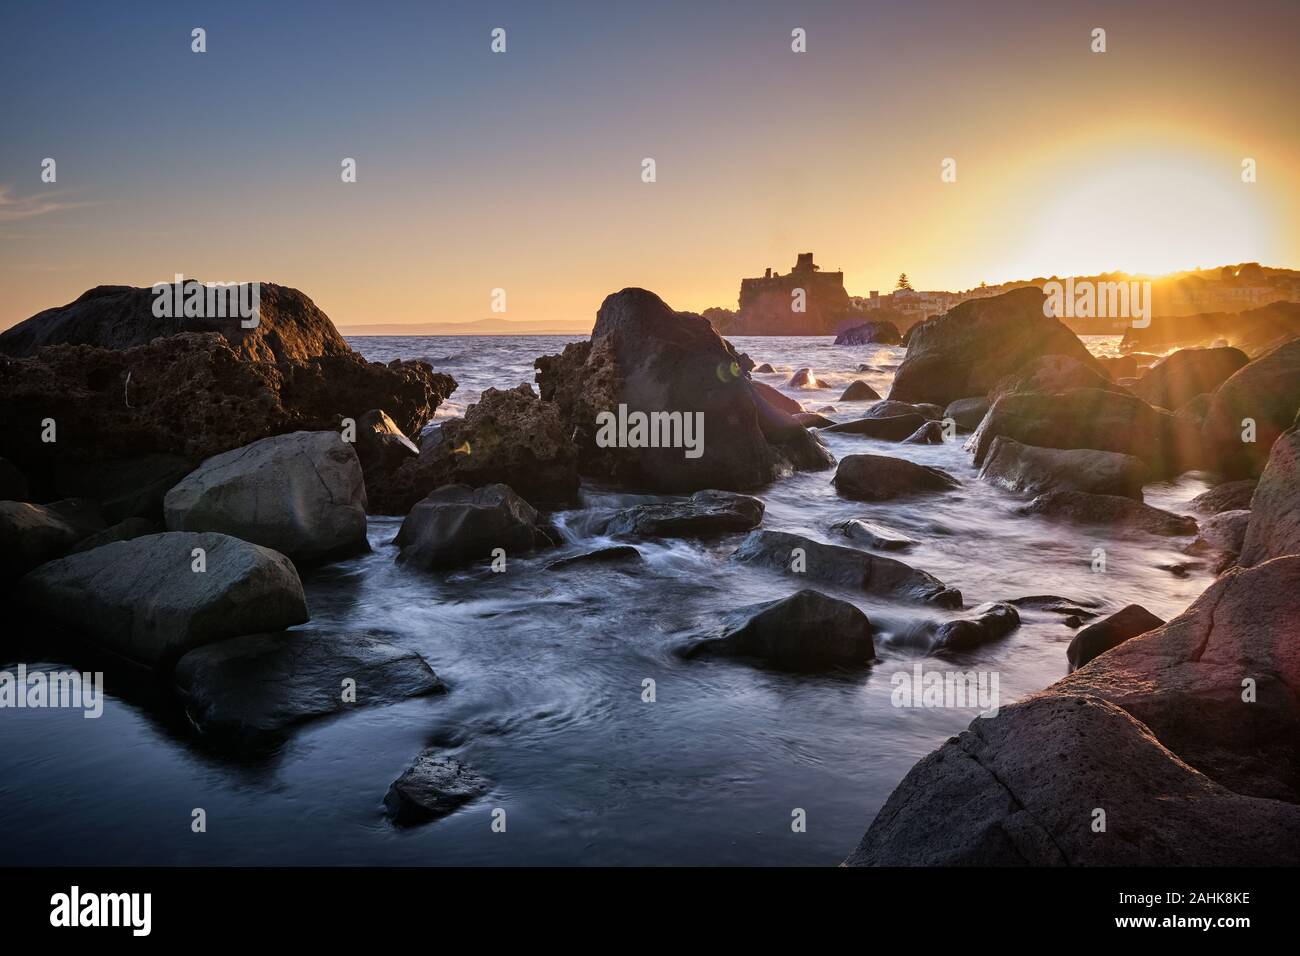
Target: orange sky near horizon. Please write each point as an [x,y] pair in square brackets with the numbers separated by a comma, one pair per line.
[522,171]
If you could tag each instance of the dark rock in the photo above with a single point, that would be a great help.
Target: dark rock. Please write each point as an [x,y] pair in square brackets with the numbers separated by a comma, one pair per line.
[1223,535]
[144,599]
[126,530]
[127,487]
[251,688]
[1095,639]
[765,369]
[1053,373]
[1123,366]
[431,788]
[884,429]
[859,391]
[880,478]
[805,378]
[991,621]
[868,535]
[1024,468]
[30,535]
[1229,496]
[703,513]
[813,420]
[1179,378]
[380,444]
[845,567]
[771,396]
[13,483]
[81,514]
[1121,515]
[807,631]
[1274,524]
[618,554]
[931,433]
[891,409]
[972,347]
[1267,391]
[881,332]
[457,525]
[1254,331]
[1092,418]
[968,412]
[1196,409]
[301,494]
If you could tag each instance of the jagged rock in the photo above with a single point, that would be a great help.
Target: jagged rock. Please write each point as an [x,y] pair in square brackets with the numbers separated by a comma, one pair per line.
[289,326]
[250,689]
[144,598]
[845,567]
[970,348]
[457,525]
[1179,378]
[968,412]
[1229,496]
[885,429]
[1024,468]
[859,391]
[1156,731]
[126,530]
[186,396]
[1053,373]
[805,378]
[301,494]
[931,433]
[432,787]
[991,622]
[13,483]
[881,332]
[30,535]
[874,536]
[807,631]
[703,513]
[509,436]
[1121,515]
[1274,525]
[618,554]
[880,478]
[1095,639]
[649,358]
[1092,418]
[1267,391]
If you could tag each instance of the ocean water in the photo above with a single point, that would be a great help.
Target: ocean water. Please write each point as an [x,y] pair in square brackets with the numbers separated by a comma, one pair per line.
[546,671]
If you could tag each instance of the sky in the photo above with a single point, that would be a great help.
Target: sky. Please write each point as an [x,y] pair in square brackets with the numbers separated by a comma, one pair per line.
[522,170]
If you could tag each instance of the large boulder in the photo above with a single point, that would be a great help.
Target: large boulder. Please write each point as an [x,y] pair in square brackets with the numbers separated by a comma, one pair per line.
[970,348]
[1053,373]
[509,436]
[1119,515]
[457,525]
[30,535]
[289,326]
[844,567]
[1176,380]
[968,412]
[807,631]
[1228,496]
[879,332]
[301,494]
[703,513]
[1025,468]
[881,478]
[1160,733]
[124,417]
[648,359]
[155,598]
[1092,418]
[1274,525]
[1267,393]
[1099,637]
[250,689]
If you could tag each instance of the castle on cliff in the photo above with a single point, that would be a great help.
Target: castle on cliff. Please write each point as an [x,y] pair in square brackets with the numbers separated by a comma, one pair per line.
[768,302]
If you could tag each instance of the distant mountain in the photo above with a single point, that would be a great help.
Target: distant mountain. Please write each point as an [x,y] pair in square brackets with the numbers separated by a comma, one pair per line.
[476,327]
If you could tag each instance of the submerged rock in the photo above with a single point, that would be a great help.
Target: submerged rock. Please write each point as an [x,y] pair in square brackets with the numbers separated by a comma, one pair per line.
[991,621]
[1024,468]
[807,631]
[1122,515]
[1095,639]
[882,332]
[431,788]
[880,478]
[147,600]
[618,554]
[252,688]
[301,494]
[931,433]
[703,513]
[844,567]
[868,535]
[457,525]
[765,369]
[805,378]
[1273,528]
[885,429]
[859,391]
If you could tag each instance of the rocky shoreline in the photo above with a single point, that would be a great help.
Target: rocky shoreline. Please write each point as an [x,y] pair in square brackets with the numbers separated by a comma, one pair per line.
[163,488]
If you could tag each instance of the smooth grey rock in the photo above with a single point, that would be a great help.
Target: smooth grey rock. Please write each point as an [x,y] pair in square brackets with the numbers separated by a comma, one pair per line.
[1121,515]
[1026,468]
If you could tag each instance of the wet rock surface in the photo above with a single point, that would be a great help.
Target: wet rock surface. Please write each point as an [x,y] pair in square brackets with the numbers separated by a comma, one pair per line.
[1024,468]
[879,478]
[432,787]
[703,513]
[1120,515]
[458,525]
[1095,639]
